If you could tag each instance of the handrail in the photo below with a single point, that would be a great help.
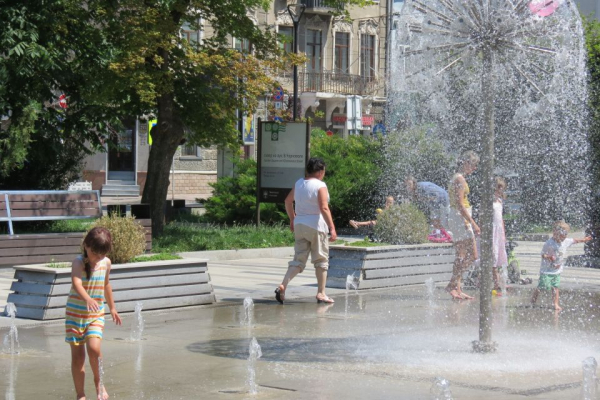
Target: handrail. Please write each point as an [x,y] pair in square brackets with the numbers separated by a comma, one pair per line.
[336,82]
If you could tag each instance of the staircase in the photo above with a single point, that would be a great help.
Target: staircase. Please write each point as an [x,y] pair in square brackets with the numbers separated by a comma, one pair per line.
[121,184]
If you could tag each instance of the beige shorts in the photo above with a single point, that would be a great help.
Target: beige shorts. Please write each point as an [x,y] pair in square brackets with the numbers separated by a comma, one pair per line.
[310,241]
[460,228]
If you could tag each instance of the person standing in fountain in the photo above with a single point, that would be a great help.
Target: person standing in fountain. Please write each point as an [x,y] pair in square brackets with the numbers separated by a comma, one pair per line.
[84,321]
[554,255]
[310,221]
[499,235]
[461,223]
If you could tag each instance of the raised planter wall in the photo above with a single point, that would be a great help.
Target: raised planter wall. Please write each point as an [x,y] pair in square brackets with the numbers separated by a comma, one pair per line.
[386,266]
[41,293]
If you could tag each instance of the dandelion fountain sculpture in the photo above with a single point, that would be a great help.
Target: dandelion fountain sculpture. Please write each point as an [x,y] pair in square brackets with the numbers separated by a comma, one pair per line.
[519,63]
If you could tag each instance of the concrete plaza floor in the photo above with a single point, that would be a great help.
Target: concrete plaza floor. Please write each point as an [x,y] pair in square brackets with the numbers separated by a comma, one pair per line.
[380,344]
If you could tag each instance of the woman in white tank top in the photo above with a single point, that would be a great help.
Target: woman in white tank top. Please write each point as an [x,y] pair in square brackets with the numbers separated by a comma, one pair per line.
[310,221]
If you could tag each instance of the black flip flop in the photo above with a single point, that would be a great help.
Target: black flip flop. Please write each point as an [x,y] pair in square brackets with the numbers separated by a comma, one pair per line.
[278,296]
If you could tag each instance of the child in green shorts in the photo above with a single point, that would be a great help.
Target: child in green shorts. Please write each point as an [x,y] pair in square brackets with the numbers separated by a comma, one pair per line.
[553,258]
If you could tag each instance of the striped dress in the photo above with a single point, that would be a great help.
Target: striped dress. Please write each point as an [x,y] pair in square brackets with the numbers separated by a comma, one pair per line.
[81,324]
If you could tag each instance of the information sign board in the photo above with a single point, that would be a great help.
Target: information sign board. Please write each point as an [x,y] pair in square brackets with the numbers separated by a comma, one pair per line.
[282,157]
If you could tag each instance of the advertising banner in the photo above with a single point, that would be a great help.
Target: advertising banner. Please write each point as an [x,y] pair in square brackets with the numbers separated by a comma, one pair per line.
[282,157]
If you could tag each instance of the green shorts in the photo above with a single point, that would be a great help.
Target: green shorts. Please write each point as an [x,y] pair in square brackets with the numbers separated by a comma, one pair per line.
[549,281]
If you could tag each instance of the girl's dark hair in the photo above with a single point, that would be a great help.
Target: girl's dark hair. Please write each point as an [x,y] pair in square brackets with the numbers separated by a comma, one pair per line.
[315,165]
[100,242]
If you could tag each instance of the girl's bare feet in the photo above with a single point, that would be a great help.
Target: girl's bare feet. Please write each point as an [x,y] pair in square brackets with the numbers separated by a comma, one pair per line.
[465,296]
[454,293]
[557,307]
[353,224]
[103,395]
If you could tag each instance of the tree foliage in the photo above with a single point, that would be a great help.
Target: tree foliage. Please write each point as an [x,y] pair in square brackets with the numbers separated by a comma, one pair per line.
[353,175]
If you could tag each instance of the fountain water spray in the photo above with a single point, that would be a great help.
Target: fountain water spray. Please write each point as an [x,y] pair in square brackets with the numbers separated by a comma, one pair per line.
[440,389]
[248,317]
[255,354]
[351,283]
[11,340]
[137,327]
[450,54]
[589,386]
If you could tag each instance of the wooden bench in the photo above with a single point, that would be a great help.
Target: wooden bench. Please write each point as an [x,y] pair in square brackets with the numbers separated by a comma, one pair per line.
[19,206]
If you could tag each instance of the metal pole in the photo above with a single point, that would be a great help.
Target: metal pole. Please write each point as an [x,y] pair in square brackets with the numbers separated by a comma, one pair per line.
[485,344]
[295,71]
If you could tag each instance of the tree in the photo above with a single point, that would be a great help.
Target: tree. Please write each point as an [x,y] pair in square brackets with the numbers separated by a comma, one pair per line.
[129,58]
[48,51]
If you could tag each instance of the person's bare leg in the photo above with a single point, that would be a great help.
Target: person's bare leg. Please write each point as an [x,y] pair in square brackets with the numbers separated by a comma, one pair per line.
[321,274]
[78,369]
[470,251]
[456,271]
[534,297]
[95,354]
[292,271]
[555,298]
[496,278]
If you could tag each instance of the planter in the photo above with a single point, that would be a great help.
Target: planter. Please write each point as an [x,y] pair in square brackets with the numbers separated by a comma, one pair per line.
[386,266]
[41,293]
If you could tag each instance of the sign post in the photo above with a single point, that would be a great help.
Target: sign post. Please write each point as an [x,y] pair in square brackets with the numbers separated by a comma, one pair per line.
[282,156]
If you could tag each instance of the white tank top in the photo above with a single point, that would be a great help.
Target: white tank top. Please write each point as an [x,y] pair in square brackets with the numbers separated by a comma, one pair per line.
[307,204]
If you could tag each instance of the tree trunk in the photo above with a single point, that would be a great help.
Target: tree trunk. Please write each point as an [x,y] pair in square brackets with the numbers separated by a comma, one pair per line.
[165,140]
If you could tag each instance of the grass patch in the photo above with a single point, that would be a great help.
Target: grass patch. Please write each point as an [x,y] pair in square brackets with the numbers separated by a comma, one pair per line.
[157,257]
[59,226]
[188,236]
[56,265]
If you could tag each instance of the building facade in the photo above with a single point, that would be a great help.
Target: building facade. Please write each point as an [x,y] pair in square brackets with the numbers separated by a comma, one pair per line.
[341,88]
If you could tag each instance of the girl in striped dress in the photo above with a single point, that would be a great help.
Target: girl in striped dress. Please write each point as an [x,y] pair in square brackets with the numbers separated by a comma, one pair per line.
[84,321]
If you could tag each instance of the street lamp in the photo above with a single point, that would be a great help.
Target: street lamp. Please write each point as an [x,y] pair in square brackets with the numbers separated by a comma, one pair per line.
[296,11]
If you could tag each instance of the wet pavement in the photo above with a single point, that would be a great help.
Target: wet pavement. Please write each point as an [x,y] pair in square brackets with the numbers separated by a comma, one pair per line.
[380,344]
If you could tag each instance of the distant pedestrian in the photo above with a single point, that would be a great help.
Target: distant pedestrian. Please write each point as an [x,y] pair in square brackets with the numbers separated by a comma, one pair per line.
[84,321]
[310,221]
[554,255]
[499,234]
[461,223]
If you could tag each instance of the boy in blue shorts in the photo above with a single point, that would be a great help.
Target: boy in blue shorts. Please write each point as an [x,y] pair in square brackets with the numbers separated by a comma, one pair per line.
[554,255]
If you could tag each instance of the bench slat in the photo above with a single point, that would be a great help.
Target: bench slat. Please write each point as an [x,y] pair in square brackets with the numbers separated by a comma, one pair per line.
[69,205]
[87,212]
[53,197]
[36,251]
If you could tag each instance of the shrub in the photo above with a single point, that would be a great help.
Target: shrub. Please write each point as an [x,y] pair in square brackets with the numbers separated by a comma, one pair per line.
[402,224]
[353,173]
[128,237]
[234,199]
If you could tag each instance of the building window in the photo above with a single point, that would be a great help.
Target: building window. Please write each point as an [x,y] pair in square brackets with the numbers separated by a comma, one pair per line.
[367,56]
[287,34]
[313,50]
[242,45]
[190,34]
[190,151]
[342,45]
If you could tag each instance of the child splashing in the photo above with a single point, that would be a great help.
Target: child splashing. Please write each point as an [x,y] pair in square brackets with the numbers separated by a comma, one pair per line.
[85,308]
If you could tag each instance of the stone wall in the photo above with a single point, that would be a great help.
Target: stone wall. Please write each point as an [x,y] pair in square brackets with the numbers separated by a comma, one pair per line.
[190,183]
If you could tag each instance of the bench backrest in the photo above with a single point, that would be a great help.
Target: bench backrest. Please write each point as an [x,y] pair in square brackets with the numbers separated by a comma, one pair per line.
[48,205]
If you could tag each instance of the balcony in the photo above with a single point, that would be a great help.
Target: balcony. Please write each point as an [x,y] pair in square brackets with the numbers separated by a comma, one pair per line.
[338,83]
[320,7]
